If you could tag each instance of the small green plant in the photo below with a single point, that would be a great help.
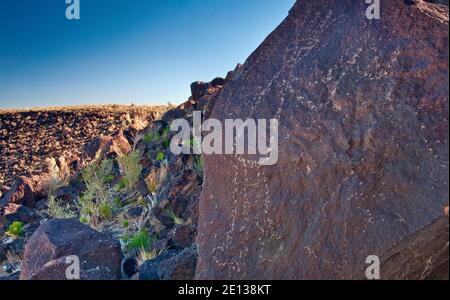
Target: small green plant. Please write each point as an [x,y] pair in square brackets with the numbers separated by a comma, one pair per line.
[141,240]
[109,178]
[171,214]
[131,168]
[117,202]
[166,144]
[151,137]
[97,202]
[98,173]
[105,210]
[15,229]
[198,165]
[123,183]
[165,132]
[85,219]
[57,210]
[125,223]
[160,156]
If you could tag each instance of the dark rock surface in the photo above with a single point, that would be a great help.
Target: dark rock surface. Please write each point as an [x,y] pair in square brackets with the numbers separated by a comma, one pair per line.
[423,255]
[58,238]
[172,265]
[363,147]
[182,236]
[22,192]
[14,212]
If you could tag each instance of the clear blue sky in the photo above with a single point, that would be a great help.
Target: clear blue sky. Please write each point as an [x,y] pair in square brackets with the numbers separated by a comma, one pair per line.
[124,51]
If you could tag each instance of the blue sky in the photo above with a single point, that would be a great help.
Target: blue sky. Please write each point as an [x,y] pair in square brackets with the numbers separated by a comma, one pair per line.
[124,51]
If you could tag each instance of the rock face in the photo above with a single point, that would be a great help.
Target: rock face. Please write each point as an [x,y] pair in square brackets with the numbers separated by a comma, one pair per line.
[172,265]
[363,145]
[22,192]
[56,239]
[424,255]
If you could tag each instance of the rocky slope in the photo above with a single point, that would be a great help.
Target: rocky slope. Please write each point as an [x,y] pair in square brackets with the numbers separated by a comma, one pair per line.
[363,151]
[29,137]
[139,202]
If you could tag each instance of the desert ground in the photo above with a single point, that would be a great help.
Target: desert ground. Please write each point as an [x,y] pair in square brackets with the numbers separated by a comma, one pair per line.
[28,137]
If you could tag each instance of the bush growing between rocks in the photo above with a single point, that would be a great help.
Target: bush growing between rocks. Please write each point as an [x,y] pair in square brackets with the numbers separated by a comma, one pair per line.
[198,165]
[141,240]
[57,210]
[151,137]
[98,201]
[144,255]
[131,168]
[160,156]
[15,229]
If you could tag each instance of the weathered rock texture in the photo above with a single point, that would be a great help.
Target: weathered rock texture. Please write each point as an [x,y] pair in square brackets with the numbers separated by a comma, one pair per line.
[424,255]
[363,148]
[99,256]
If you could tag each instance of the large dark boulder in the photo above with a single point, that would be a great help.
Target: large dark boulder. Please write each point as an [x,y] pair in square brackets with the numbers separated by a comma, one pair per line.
[58,238]
[171,265]
[22,192]
[423,255]
[363,145]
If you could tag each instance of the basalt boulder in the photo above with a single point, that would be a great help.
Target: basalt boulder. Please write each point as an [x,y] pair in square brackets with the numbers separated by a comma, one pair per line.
[99,256]
[363,147]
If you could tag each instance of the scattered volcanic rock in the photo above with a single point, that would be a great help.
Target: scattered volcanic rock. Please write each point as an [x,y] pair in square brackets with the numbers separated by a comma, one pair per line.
[105,146]
[59,238]
[182,236]
[29,137]
[56,270]
[14,212]
[22,192]
[172,265]
[150,270]
[363,146]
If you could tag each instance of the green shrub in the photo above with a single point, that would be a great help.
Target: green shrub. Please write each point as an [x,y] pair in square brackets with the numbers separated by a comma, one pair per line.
[98,174]
[166,144]
[15,229]
[109,178]
[198,165]
[160,156]
[125,223]
[58,210]
[131,168]
[140,240]
[105,211]
[121,185]
[97,202]
[118,202]
[151,137]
